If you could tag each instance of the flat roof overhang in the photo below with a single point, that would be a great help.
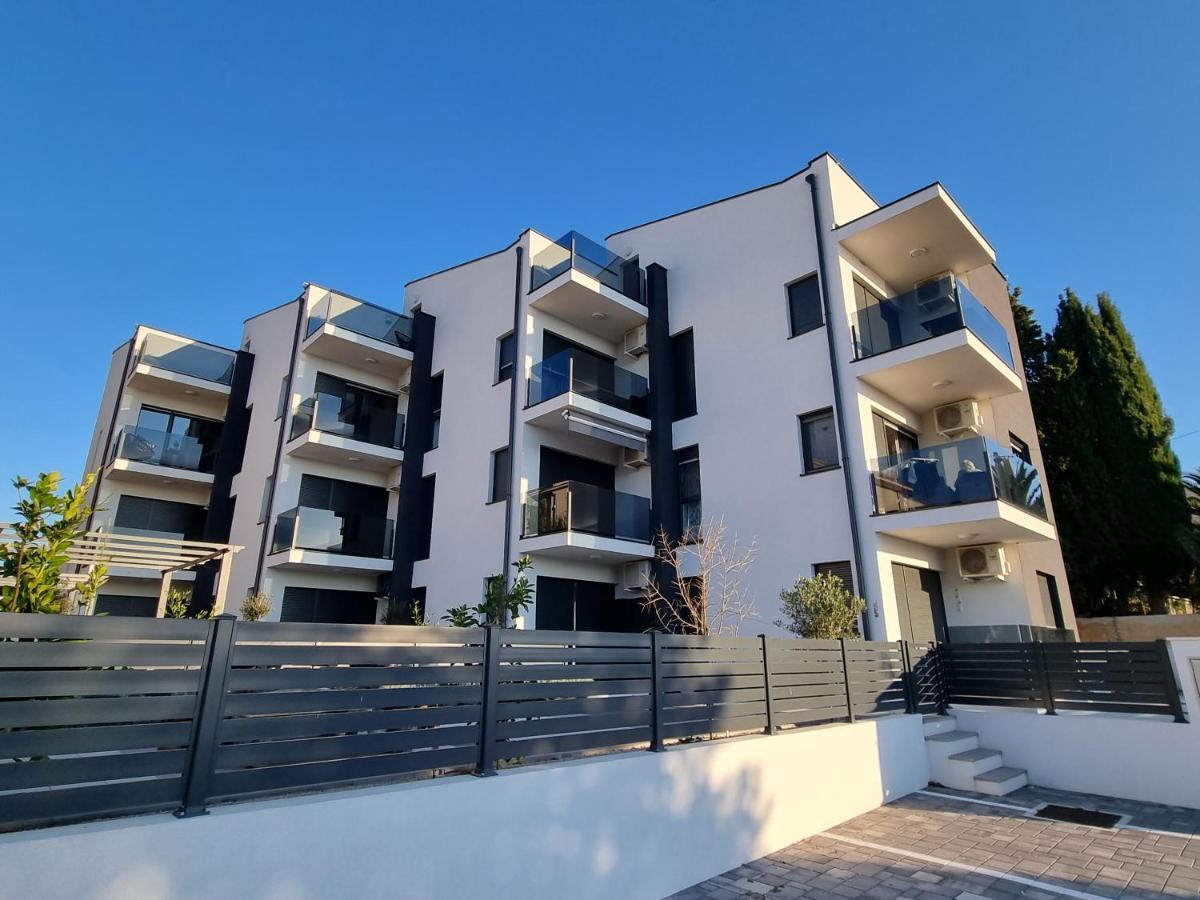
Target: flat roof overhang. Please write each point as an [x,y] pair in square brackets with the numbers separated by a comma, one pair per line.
[989,522]
[928,222]
[358,351]
[583,547]
[584,302]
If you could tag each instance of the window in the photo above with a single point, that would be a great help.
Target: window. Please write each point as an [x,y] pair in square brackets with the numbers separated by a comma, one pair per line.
[818,441]
[305,604]
[281,408]
[683,358]
[159,518]
[841,569]
[265,508]
[804,305]
[1051,604]
[1020,449]
[500,476]
[506,357]
[690,510]
[424,538]
[435,427]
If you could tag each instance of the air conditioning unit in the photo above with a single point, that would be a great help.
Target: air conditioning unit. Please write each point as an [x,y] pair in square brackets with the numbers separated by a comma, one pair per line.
[982,562]
[634,459]
[933,293]
[636,576]
[956,419]
[393,481]
[635,341]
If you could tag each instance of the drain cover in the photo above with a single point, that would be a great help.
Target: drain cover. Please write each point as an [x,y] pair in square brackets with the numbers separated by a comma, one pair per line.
[1077,816]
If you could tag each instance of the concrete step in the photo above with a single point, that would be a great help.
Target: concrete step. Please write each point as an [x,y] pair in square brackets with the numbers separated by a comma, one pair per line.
[975,762]
[948,742]
[1001,781]
[934,724]
[940,747]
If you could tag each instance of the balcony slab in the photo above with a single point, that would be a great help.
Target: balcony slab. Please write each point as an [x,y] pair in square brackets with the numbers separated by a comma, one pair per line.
[121,469]
[322,561]
[987,522]
[344,451]
[584,547]
[582,301]
[358,351]
[147,377]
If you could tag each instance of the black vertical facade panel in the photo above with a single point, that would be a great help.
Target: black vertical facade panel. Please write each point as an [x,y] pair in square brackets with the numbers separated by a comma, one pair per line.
[664,475]
[410,519]
[231,450]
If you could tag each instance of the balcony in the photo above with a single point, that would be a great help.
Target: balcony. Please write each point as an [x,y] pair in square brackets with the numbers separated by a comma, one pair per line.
[580,521]
[160,457]
[968,491]
[577,392]
[326,427]
[359,334]
[311,539]
[579,281]
[916,344]
[181,367]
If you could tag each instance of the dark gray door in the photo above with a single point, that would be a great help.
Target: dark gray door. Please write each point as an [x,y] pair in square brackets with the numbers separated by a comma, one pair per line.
[920,603]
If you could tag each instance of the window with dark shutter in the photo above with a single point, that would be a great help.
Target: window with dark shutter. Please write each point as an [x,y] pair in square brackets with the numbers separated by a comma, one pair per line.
[506,357]
[818,441]
[435,430]
[691,512]
[423,539]
[683,358]
[804,305]
[841,569]
[500,475]
[1020,449]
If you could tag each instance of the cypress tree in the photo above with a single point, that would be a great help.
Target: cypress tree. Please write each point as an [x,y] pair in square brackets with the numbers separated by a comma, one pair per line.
[1030,339]
[1118,496]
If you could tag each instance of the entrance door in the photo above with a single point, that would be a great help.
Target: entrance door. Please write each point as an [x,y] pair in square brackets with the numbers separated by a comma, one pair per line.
[920,604]
[570,604]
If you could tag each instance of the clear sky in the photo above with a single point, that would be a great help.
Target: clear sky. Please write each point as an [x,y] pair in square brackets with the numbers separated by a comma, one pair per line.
[188,165]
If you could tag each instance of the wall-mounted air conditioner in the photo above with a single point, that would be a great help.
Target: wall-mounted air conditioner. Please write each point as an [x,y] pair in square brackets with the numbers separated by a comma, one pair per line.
[956,419]
[635,576]
[635,341]
[634,459]
[982,562]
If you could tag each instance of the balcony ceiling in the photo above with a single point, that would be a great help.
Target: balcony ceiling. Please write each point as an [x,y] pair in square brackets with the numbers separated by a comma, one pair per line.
[342,451]
[579,299]
[990,522]
[582,547]
[176,385]
[930,220]
[121,469]
[333,563]
[908,374]
[358,351]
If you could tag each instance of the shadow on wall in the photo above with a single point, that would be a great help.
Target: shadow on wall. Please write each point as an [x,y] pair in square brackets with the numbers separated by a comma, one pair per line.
[1138,628]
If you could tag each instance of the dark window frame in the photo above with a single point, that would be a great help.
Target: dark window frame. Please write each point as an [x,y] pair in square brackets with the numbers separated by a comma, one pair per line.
[1056,609]
[1020,448]
[809,324]
[506,485]
[500,373]
[684,404]
[832,567]
[438,387]
[687,456]
[805,445]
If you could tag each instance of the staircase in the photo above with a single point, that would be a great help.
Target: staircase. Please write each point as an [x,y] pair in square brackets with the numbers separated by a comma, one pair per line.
[957,761]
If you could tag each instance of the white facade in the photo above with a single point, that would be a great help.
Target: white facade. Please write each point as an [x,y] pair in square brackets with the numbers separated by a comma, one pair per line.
[580,437]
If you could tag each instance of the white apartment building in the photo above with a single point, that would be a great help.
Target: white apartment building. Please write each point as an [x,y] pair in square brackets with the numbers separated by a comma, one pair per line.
[835,379]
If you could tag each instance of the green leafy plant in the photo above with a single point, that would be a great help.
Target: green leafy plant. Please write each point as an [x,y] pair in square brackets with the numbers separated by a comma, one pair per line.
[821,608]
[418,613]
[500,604]
[255,607]
[179,605]
[48,522]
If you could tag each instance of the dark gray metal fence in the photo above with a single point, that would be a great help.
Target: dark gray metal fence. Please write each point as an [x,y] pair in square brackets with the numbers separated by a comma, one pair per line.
[110,716]
[1122,678]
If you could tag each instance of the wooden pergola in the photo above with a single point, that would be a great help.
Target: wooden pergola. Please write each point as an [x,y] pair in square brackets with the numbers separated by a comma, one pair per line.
[164,556]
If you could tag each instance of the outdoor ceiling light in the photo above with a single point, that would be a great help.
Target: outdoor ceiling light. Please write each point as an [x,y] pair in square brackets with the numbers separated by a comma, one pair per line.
[354,459]
[918,251]
[599,315]
[939,385]
[189,392]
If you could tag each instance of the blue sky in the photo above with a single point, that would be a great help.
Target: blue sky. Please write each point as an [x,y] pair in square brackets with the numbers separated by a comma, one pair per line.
[188,165]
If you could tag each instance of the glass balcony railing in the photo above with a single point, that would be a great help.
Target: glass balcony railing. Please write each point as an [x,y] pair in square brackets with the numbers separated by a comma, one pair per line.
[362,318]
[348,534]
[187,358]
[163,448]
[575,506]
[963,471]
[574,251]
[584,374]
[333,415]
[933,309]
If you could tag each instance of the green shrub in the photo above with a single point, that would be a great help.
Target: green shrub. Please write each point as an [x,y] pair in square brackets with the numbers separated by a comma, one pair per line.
[821,608]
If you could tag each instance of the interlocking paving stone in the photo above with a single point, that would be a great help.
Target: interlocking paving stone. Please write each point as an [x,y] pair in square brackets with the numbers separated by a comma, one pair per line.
[1119,863]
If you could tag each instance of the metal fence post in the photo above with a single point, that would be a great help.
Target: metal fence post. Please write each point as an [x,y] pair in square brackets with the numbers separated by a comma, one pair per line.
[1043,675]
[490,707]
[906,678]
[766,656]
[656,710]
[1170,683]
[846,676]
[941,668]
[210,701]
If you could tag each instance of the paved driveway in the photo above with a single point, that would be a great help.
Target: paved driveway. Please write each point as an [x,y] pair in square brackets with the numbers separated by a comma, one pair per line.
[944,843]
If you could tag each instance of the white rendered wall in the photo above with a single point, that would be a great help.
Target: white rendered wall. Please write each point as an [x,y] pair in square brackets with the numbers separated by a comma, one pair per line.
[637,825]
[1149,758]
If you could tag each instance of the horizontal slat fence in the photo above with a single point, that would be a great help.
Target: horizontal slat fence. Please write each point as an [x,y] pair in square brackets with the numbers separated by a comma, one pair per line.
[103,716]
[96,715]
[1097,677]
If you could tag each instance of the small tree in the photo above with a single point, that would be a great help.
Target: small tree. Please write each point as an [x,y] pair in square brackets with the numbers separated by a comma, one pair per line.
[821,608]
[500,604]
[706,579]
[255,607]
[179,600]
[47,524]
